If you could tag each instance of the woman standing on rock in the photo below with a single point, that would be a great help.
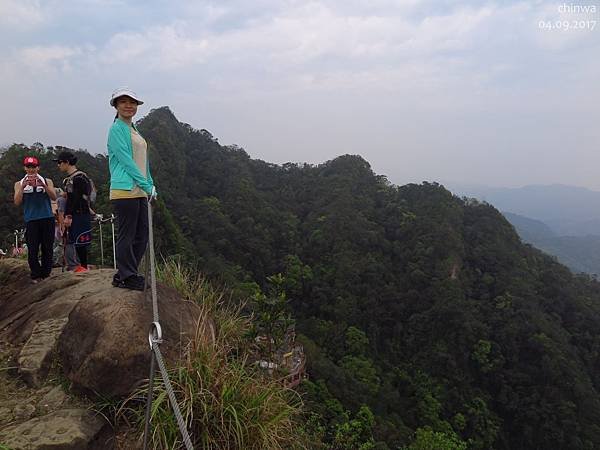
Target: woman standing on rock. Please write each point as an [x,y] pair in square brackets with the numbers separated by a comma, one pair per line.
[131,188]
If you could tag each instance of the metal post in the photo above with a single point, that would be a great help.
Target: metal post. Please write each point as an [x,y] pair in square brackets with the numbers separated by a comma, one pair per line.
[112,224]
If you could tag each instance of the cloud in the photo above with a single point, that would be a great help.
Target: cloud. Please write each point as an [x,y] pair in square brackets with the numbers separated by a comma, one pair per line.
[21,14]
[160,48]
[307,40]
[49,58]
[320,76]
[313,41]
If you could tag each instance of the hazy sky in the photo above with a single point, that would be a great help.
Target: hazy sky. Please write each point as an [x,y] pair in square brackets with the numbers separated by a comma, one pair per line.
[470,91]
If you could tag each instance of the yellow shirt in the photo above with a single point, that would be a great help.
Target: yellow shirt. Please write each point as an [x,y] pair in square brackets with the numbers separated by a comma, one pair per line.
[140,150]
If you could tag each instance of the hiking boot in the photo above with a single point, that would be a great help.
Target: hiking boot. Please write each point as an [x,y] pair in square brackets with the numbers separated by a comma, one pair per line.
[81,269]
[131,282]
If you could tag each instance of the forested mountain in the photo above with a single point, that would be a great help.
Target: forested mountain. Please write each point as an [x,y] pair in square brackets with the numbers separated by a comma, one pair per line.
[425,307]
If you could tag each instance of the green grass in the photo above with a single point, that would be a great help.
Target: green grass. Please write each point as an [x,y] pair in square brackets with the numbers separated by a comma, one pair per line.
[225,402]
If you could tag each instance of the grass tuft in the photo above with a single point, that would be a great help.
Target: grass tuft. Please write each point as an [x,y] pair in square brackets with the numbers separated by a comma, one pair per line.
[225,401]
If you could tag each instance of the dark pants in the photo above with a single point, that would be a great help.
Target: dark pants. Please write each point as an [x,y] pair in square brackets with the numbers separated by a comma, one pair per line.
[80,235]
[132,240]
[82,251]
[40,233]
[71,258]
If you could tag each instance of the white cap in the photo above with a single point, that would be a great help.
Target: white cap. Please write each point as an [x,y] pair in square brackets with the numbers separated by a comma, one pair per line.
[124,91]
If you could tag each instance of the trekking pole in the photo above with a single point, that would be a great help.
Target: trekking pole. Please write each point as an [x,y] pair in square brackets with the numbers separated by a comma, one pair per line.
[112,224]
[99,217]
[65,242]
[16,239]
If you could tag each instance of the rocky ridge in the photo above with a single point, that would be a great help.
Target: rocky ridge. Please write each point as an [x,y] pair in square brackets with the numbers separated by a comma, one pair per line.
[79,334]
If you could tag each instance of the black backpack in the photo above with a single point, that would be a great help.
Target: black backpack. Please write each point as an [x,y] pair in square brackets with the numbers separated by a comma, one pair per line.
[91,192]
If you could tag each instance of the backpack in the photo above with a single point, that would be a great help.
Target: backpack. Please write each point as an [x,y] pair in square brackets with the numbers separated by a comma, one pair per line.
[91,192]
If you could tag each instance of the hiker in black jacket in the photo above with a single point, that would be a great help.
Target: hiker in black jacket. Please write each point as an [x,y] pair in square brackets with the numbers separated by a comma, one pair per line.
[78,217]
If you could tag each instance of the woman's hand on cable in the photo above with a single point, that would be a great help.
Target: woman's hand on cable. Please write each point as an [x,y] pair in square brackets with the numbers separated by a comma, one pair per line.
[152,195]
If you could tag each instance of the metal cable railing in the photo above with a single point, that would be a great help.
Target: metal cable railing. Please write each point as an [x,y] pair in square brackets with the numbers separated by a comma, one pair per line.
[155,339]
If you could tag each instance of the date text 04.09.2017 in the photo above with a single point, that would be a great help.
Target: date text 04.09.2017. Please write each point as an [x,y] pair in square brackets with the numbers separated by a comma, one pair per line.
[566,25]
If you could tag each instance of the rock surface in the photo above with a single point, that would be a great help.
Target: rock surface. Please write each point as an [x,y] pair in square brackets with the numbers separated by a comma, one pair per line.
[103,346]
[36,355]
[24,411]
[70,429]
[23,305]
[52,400]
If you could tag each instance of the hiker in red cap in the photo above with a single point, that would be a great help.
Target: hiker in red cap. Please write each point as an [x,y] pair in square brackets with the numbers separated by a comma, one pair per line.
[35,193]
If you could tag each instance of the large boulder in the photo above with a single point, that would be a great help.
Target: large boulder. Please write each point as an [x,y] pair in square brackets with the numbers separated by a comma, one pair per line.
[102,344]
[104,347]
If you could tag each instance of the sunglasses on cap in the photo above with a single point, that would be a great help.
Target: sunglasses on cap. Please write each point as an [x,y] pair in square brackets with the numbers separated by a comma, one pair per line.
[58,163]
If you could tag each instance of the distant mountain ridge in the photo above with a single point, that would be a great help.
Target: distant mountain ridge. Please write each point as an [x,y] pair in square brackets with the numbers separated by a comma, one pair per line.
[563,221]
[567,210]
[530,230]
[579,253]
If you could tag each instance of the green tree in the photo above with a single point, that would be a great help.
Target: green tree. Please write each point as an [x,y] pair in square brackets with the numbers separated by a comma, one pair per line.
[357,433]
[357,341]
[271,314]
[427,439]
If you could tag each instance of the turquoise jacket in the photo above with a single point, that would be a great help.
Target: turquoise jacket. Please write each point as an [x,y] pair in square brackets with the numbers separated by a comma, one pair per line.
[124,174]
